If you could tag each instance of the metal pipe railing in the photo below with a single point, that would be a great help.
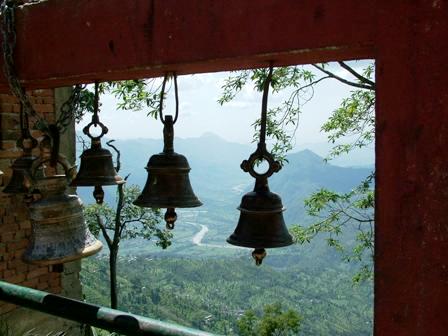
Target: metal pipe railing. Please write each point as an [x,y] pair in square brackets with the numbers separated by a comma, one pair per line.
[93,315]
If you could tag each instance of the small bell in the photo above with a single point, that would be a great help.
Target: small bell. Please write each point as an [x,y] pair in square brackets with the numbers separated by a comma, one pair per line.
[168,184]
[97,168]
[19,168]
[60,233]
[261,224]
[22,165]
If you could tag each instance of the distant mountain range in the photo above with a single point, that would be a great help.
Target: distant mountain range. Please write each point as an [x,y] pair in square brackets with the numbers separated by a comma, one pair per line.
[219,182]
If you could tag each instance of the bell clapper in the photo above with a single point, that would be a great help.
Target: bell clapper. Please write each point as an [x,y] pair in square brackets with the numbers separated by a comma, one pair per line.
[170,218]
[98,194]
[259,254]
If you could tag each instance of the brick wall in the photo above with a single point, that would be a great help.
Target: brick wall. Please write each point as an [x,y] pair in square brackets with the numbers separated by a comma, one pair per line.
[15,226]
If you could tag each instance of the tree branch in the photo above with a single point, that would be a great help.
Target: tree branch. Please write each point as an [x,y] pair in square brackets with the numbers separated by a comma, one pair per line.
[109,143]
[342,80]
[103,230]
[360,77]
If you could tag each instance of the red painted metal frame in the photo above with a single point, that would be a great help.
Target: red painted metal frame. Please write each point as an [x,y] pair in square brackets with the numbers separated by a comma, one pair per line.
[62,42]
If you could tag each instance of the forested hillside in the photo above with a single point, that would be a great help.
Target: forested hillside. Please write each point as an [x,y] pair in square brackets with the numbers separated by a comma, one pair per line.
[212,293]
[202,281]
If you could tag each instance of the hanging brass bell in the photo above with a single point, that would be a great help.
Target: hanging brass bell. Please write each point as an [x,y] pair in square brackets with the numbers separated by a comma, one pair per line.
[261,224]
[60,233]
[97,168]
[168,184]
[19,168]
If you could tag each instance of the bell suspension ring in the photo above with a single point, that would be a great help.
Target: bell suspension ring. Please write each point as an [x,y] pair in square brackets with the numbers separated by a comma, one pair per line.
[261,224]
[97,168]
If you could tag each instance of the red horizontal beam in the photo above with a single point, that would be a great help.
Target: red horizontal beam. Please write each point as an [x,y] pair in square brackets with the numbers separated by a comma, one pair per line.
[62,42]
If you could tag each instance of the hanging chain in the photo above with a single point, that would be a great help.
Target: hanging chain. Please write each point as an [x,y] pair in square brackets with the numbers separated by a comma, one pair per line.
[162,94]
[69,109]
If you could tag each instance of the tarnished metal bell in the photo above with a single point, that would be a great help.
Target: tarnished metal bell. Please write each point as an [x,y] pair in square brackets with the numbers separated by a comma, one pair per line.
[60,233]
[261,224]
[19,169]
[21,166]
[168,184]
[96,168]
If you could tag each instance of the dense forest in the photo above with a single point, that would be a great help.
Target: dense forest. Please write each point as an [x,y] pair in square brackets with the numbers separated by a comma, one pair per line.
[213,293]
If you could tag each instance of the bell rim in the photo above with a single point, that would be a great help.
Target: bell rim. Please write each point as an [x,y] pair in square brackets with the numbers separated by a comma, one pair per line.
[84,253]
[143,204]
[261,210]
[255,244]
[97,182]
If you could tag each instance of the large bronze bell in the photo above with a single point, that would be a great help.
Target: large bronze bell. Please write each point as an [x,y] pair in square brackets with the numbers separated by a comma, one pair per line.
[97,168]
[261,224]
[168,184]
[60,233]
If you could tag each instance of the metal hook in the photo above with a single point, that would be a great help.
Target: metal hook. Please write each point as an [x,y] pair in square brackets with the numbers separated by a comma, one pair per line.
[162,94]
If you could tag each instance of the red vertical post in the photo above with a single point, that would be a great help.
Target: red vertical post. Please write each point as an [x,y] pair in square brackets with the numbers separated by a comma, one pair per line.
[411,279]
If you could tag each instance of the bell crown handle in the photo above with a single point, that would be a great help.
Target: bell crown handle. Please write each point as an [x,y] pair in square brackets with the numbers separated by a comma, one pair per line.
[69,170]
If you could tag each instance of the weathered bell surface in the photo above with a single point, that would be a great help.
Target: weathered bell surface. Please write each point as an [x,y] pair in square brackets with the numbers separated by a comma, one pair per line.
[97,168]
[19,169]
[261,224]
[168,184]
[60,233]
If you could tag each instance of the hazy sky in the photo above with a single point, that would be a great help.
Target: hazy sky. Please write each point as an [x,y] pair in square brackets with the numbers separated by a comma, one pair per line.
[200,113]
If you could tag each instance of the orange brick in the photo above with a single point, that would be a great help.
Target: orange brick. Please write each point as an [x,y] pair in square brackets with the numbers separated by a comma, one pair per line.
[17,245]
[56,289]
[16,108]
[42,108]
[15,279]
[32,283]
[42,286]
[25,224]
[42,93]
[8,144]
[44,278]
[55,280]
[48,100]
[6,237]
[6,108]
[10,99]
[37,272]
[19,253]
